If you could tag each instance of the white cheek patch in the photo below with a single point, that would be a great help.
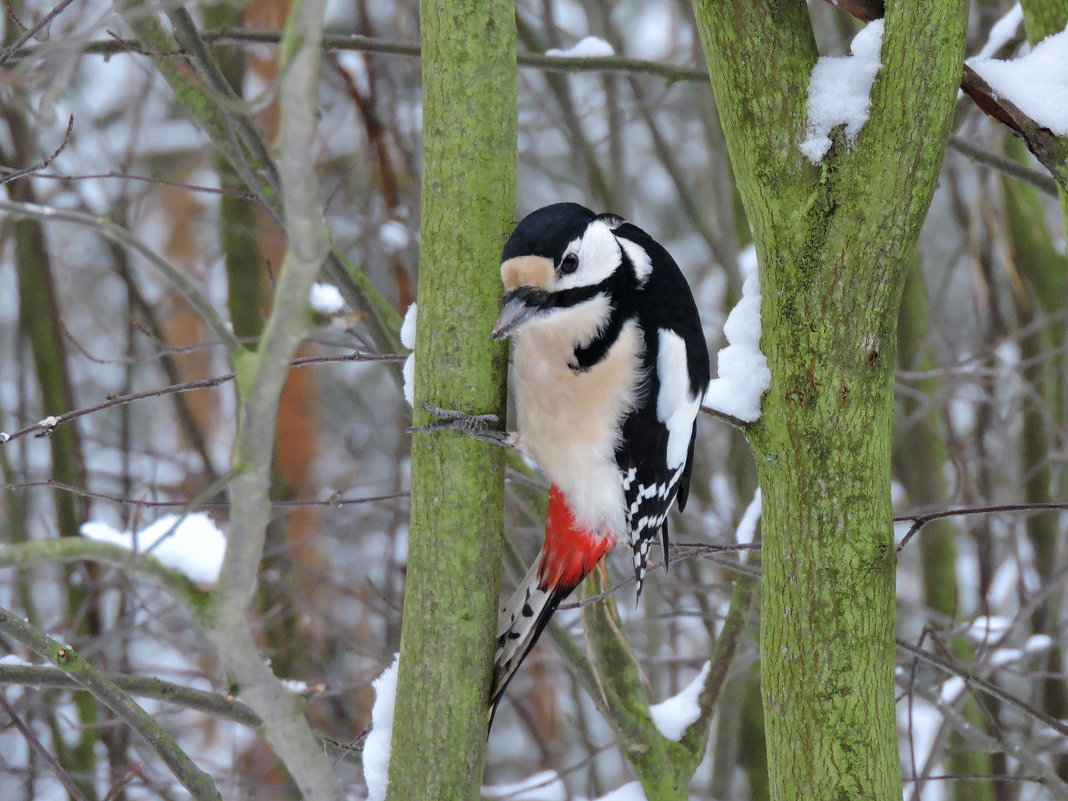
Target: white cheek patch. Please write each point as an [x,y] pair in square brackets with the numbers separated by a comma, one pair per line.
[638,256]
[675,407]
[598,257]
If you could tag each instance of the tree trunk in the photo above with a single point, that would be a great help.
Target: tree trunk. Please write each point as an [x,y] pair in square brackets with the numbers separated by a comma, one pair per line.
[454,563]
[833,243]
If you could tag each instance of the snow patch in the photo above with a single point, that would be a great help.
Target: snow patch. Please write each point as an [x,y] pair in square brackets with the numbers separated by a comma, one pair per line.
[1038,642]
[675,715]
[743,371]
[1037,83]
[192,544]
[839,92]
[407,338]
[296,686]
[407,332]
[543,786]
[394,236]
[951,689]
[379,743]
[987,628]
[746,530]
[1005,656]
[590,47]
[326,299]
[1002,31]
[14,659]
[628,792]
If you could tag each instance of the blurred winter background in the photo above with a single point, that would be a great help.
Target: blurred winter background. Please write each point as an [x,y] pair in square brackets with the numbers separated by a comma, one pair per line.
[981,414]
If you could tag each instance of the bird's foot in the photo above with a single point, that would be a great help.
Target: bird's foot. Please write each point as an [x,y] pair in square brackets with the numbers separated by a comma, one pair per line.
[476,426]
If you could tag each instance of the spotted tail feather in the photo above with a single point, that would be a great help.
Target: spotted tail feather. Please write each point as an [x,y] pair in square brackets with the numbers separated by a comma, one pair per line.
[522,622]
[569,554]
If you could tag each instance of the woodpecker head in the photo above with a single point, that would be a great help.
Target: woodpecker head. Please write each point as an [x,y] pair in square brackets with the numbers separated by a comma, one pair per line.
[559,257]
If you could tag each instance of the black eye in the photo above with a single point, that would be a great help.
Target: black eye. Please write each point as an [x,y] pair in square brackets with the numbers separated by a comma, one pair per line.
[569,264]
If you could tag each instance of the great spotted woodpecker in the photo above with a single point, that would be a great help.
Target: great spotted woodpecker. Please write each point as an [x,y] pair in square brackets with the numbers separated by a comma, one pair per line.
[610,366]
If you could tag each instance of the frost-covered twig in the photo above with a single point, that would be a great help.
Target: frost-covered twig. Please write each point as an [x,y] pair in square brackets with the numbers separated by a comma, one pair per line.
[197,782]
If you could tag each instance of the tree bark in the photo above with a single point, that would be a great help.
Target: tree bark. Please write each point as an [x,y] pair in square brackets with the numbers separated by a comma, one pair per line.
[454,563]
[833,243]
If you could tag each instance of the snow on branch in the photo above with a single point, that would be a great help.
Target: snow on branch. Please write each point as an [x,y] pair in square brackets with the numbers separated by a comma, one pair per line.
[192,543]
[378,746]
[590,47]
[407,338]
[675,715]
[743,371]
[1036,83]
[839,92]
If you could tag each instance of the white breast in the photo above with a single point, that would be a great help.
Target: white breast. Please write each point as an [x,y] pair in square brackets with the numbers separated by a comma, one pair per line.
[569,421]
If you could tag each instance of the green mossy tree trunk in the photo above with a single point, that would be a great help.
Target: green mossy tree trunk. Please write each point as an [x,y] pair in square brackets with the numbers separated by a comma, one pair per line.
[833,243]
[454,562]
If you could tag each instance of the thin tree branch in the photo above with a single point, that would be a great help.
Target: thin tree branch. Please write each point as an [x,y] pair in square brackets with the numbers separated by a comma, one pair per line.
[220,706]
[33,30]
[368,44]
[919,521]
[1006,165]
[139,502]
[79,549]
[35,743]
[197,782]
[40,165]
[118,234]
[45,427]
[260,377]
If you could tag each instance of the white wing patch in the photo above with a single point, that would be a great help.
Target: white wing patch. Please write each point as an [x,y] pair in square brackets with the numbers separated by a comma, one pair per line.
[676,408]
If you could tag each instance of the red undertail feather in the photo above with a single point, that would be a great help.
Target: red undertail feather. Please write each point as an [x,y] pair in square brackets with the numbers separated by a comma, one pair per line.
[570,552]
[568,556]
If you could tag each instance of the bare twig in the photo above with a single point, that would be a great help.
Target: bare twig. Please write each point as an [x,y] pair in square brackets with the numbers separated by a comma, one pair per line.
[367,44]
[139,502]
[16,174]
[1006,165]
[125,176]
[34,742]
[221,706]
[919,521]
[126,238]
[49,424]
[197,782]
[33,30]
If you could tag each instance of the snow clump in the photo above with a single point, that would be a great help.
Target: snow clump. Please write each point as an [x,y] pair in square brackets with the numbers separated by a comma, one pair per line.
[1036,83]
[839,92]
[743,370]
[192,543]
[590,47]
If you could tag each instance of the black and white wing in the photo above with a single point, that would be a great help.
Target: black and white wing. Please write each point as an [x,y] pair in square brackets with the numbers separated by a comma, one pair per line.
[655,454]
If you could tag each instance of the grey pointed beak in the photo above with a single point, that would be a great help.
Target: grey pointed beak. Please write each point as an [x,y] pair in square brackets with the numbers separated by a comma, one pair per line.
[519,306]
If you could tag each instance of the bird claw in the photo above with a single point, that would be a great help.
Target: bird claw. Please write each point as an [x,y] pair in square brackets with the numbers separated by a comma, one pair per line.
[476,426]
